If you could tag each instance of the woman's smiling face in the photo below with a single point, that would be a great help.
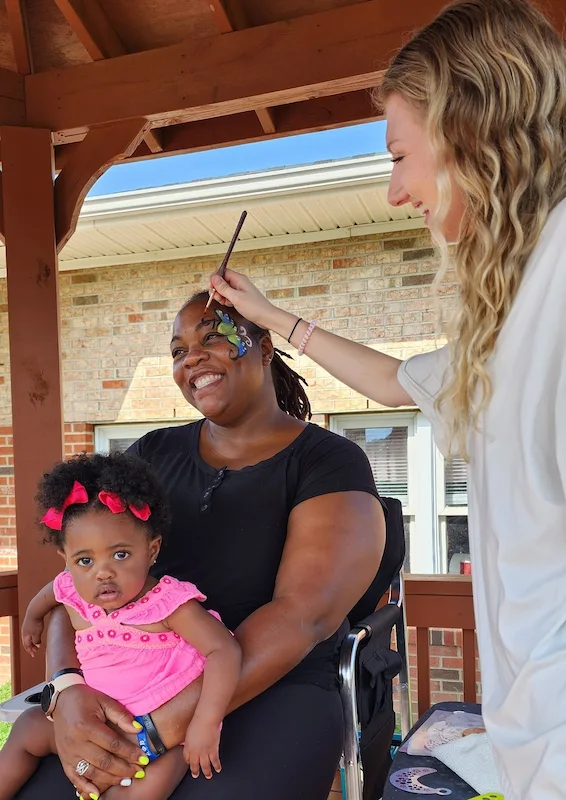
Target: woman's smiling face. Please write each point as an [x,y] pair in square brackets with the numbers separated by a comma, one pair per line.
[414,174]
[218,367]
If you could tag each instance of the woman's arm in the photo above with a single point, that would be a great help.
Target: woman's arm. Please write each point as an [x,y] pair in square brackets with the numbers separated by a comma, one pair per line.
[334,547]
[369,372]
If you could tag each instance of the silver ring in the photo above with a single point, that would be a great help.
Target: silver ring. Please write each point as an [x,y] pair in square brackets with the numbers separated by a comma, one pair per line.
[82,767]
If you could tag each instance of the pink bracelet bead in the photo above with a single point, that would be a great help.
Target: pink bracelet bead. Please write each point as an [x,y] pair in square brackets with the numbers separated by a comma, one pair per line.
[306,338]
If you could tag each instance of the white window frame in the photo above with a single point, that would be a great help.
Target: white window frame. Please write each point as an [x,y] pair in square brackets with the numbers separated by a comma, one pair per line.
[444,511]
[427,510]
[128,430]
[426,547]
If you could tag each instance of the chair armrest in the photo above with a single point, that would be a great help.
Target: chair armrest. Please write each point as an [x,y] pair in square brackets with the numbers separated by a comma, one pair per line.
[381,621]
[11,709]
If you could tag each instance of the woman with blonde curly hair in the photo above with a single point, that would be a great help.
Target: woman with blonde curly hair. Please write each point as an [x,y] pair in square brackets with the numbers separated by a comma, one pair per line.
[476,113]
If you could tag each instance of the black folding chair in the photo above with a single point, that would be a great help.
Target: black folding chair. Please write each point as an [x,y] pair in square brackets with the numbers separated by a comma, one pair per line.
[368,665]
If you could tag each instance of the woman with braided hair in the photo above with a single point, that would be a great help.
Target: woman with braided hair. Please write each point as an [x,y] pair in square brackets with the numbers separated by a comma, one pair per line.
[279,524]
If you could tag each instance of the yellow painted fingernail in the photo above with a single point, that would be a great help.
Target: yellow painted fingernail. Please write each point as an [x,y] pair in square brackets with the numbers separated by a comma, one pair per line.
[140,774]
[137,726]
[93,796]
[143,760]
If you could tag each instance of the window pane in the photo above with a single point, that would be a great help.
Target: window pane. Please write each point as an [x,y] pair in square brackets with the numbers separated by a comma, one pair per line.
[456,482]
[456,541]
[119,445]
[386,449]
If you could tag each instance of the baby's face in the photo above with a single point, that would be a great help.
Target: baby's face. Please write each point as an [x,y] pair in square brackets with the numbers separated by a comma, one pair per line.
[108,556]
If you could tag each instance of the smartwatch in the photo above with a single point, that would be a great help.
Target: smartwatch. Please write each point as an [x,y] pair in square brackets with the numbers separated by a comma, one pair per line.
[60,681]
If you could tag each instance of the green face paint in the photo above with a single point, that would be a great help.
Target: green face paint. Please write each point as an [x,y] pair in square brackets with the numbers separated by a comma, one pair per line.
[238,337]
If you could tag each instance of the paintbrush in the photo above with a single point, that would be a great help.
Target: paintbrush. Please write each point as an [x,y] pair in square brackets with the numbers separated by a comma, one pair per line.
[222,268]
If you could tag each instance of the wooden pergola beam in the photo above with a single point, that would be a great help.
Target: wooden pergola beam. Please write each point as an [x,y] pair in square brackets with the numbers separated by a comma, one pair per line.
[18,25]
[12,98]
[229,20]
[99,150]
[35,359]
[317,115]
[154,141]
[555,10]
[266,119]
[2,235]
[92,27]
[322,54]
[228,15]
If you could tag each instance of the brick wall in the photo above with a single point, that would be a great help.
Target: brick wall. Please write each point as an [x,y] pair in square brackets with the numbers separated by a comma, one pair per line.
[116,326]
[79,437]
[116,322]
[445,665]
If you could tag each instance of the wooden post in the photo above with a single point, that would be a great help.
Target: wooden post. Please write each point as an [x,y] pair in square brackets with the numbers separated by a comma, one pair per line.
[35,364]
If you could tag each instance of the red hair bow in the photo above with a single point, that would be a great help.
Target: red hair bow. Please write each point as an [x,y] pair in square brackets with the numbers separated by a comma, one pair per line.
[116,505]
[53,517]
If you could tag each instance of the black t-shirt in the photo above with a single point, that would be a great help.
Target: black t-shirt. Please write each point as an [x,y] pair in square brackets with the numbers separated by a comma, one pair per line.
[229,527]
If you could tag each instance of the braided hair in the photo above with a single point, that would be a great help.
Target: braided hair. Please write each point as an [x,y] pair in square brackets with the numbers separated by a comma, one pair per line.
[288,384]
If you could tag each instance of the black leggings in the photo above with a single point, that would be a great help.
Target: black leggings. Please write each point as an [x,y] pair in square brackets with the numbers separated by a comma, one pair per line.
[284,744]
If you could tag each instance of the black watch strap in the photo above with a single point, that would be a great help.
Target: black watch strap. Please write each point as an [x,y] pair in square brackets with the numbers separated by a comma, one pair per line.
[67,671]
[154,737]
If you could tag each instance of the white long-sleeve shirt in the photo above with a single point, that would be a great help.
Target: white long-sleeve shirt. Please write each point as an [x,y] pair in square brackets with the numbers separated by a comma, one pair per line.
[517,523]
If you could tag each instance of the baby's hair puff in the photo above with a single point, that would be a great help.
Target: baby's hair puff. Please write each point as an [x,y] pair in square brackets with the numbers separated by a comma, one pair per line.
[121,474]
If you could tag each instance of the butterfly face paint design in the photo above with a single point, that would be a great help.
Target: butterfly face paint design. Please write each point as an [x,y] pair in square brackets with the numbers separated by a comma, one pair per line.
[238,337]
[244,335]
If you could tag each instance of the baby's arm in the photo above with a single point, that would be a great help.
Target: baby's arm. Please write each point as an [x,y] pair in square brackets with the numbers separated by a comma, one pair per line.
[32,627]
[220,678]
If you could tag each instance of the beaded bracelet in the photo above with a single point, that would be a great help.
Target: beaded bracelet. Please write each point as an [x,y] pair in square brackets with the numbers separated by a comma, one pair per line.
[306,337]
[299,319]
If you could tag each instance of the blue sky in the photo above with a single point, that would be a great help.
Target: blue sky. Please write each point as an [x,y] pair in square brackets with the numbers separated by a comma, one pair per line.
[355,140]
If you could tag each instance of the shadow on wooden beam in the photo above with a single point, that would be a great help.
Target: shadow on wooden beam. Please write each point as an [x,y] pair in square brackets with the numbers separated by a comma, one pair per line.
[101,148]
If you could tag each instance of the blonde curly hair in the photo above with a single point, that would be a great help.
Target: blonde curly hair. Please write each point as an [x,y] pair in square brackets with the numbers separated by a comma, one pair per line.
[489,76]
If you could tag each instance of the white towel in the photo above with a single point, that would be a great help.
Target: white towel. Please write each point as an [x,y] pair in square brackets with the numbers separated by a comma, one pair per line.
[471,757]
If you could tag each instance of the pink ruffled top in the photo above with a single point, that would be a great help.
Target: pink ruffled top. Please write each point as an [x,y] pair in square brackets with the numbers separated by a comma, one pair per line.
[139,669]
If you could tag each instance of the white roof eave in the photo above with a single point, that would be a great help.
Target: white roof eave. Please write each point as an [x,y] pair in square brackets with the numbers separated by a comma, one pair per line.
[253,188]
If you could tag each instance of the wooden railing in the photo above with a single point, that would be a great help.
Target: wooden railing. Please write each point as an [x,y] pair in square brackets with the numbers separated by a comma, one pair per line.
[441,601]
[9,608]
[431,601]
